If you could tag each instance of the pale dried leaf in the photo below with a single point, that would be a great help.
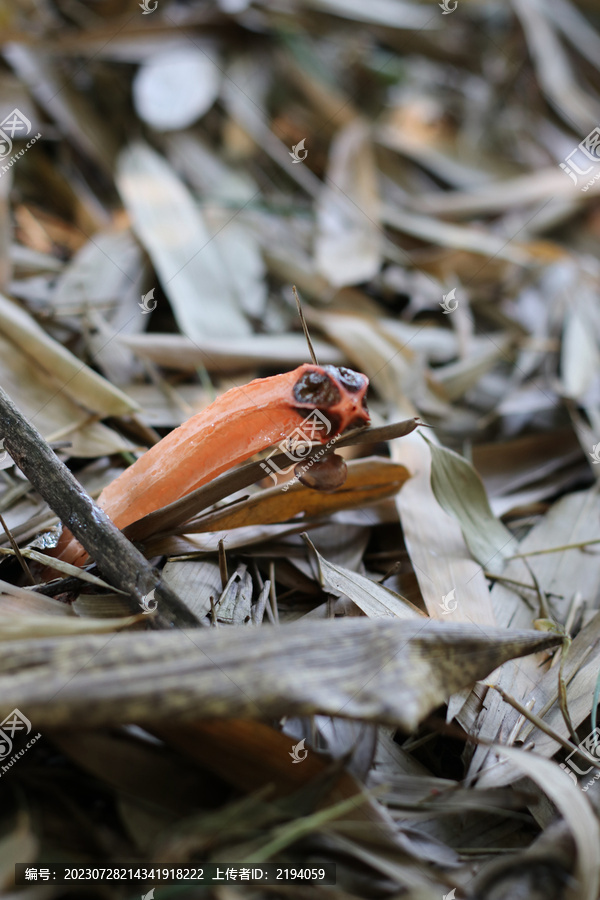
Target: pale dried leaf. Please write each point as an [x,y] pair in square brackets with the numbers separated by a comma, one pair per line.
[173,231]
[68,373]
[576,812]
[374,599]
[347,243]
[460,492]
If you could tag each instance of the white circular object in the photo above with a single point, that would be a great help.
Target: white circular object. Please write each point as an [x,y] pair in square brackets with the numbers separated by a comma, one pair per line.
[175,88]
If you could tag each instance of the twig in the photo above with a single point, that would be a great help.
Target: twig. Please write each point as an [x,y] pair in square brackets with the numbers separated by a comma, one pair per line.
[563,700]
[578,546]
[311,349]
[223,565]
[543,600]
[17,552]
[118,560]
[539,723]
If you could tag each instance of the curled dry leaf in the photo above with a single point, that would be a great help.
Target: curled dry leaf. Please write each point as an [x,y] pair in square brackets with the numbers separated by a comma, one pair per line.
[374,599]
[368,480]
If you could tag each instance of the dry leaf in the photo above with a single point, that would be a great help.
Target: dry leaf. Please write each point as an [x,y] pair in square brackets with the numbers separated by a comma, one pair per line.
[387,671]
[171,227]
[576,812]
[368,481]
[67,372]
[347,243]
[374,599]
[460,492]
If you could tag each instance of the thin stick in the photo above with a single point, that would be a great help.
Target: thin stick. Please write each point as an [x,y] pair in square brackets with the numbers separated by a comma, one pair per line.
[539,723]
[543,600]
[223,565]
[273,592]
[311,349]
[563,701]
[118,560]
[18,553]
[530,587]
[579,546]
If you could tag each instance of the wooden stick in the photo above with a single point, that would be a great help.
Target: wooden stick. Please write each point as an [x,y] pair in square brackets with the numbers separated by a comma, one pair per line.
[118,560]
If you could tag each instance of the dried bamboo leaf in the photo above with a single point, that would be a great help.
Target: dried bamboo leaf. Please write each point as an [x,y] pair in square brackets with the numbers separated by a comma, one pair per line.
[384,671]
[173,231]
[374,599]
[19,628]
[436,545]
[576,28]
[557,574]
[60,566]
[368,481]
[393,13]
[456,378]
[435,231]
[348,243]
[195,582]
[580,674]
[577,813]
[100,272]
[54,413]
[580,358]
[232,354]
[553,67]
[15,601]
[523,190]
[460,492]
[77,380]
